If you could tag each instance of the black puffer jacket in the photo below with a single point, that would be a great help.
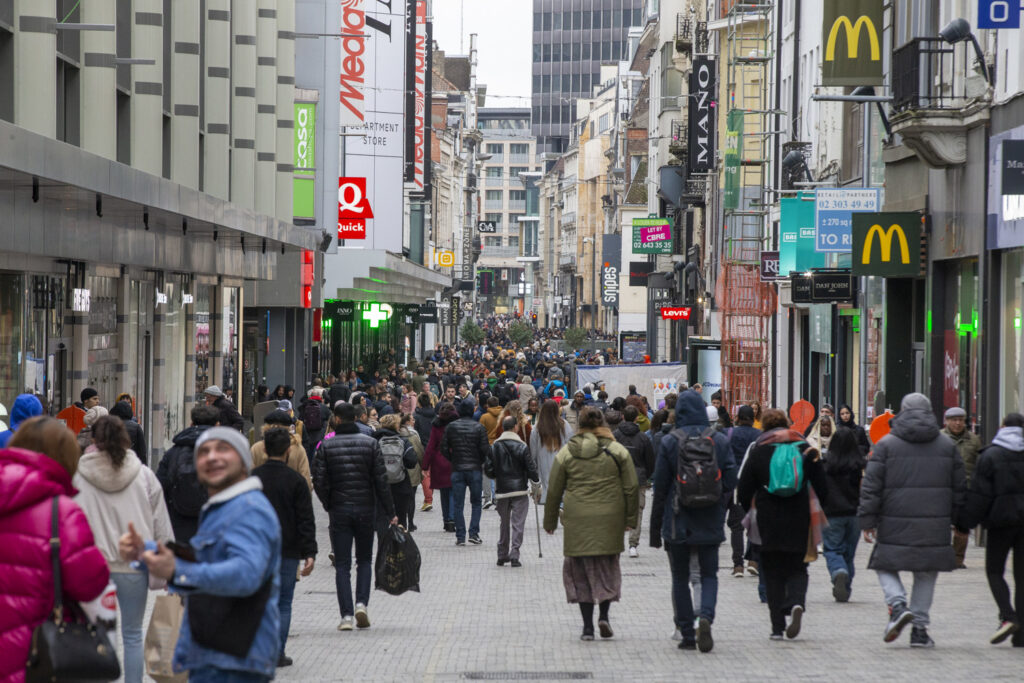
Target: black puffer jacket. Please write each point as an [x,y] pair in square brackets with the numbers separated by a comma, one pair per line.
[640,450]
[423,418]
[511,465]
[913,489]
[465,444]
[996,498]
[348,472]
[843,476]
[229,417]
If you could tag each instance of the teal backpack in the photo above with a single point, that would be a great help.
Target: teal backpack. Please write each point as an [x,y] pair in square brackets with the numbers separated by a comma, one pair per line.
[786,470]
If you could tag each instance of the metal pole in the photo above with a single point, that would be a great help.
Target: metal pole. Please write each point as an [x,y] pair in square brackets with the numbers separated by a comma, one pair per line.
[536,516]
[864,281]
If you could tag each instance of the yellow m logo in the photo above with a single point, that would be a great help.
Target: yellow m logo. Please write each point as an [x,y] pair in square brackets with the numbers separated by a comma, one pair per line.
[852,38]
[885,238]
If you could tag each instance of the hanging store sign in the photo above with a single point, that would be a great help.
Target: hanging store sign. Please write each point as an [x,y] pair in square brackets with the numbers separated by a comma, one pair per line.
[675,312]
[833,211]
[375,314]
[353,63]
[307,278]
[1006,189]
[487,226]
[701,143]
[887,244]
[304,178]
[644,229]
[416,50]
[733,153]
[832,288]
[802,288]
[345,312]
[796,235]
[428,313]
[852,36]
[770,266]
[611,265]
[999,14]
[639,273]
[80,300]
[353,208]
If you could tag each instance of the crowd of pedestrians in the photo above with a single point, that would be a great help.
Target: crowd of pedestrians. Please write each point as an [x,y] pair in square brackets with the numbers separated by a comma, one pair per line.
[227,522]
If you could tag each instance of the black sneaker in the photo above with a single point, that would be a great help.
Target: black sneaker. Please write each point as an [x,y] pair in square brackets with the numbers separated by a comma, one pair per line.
[1005,630]
[588,634]
[449,527]
[501,563]
[841,587]
[284,660]
[475,540]
[605,628]
[704,640]
[899,617]
[685,644]
[795,616]
[459,542]
[776,636]
[919,638]
[516,563]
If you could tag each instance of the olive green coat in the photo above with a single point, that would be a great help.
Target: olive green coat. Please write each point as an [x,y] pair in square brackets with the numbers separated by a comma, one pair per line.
[968,445]
[593,476]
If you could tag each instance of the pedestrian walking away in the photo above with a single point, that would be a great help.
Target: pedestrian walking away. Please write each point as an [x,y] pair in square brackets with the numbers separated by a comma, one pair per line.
[184,494]
[465,445]
[514,471]
[641,452]
[914,488]
[844,468]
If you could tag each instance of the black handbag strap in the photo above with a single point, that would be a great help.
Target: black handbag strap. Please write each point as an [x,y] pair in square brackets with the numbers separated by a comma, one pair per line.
[58,589]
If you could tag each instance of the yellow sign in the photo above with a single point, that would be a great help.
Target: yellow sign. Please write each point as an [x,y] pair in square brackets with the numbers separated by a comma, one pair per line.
[445,259]
[852,38]
[885,239]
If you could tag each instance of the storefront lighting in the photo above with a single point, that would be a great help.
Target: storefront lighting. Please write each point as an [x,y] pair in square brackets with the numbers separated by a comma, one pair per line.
[1016,323]
[377,314]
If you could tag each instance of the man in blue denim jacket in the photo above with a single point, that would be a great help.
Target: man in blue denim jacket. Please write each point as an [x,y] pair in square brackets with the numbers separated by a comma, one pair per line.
[237,553]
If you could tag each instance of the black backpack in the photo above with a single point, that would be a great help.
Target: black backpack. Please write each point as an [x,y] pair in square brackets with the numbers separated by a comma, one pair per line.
[188,496]
[311,416]
[698,478]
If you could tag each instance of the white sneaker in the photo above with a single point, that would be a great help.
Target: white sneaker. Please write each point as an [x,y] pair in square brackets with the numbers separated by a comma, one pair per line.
[677,636]
[362,618]
[346,624]
[633,552]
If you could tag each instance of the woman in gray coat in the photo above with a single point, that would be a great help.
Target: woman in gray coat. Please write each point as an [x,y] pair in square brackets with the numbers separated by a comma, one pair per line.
[913,489]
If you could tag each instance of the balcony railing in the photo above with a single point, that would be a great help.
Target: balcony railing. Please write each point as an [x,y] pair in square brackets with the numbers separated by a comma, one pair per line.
[516,158]
[494,204]
[684,32]
[928,73]
[568,218]
[499,252]
[495,182]
[517,205]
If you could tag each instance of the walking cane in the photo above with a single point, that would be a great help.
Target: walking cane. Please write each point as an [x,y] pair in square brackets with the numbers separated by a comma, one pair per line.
[536,516]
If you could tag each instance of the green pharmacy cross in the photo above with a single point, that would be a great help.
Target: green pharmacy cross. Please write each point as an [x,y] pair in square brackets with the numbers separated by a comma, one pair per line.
[377,314]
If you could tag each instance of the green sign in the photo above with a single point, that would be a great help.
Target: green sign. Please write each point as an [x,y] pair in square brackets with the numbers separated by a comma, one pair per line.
[304,179]
[887,244]
[641,247]
[377,313]
[852,36]
[733,152]
[796,236]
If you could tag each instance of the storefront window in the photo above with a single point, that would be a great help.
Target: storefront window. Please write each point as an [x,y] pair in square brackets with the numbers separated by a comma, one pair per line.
[201,342]
[1012,390]
[229,343]
[12,299]
[960,325]
[172,348]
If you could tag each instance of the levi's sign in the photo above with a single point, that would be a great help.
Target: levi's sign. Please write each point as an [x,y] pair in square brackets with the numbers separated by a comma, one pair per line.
[851,34]
[675,312]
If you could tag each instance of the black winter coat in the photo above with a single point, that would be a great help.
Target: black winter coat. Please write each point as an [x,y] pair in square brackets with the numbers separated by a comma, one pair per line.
[338,392]
[996,498]
[288,492]
[348,472]
[511,465]
[185,527]
[740,439]
[640,450]
[229,417]
[913,489]
[843,486]
[784,522]
[465,445]
[138,439]
[423,418]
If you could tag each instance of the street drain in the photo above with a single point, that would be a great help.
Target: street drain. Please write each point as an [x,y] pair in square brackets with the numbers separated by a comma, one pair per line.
[527,675]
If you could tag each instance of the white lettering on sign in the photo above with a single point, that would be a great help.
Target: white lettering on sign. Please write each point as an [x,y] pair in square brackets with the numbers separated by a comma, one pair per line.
[353,67]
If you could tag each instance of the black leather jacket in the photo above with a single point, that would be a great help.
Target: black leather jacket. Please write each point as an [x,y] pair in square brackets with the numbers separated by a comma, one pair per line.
[465,444]
[348,473]
[640,450]
[511,465]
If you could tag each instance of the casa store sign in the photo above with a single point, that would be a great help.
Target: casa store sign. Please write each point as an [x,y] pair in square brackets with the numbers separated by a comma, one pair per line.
[675,312]
[353,208]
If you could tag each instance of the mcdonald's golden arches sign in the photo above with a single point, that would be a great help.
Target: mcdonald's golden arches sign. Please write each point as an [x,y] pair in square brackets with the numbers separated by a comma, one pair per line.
[852,36]
[887,244]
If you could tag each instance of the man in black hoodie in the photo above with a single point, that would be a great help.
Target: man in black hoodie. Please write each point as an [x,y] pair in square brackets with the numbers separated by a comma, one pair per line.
[183,493]
[465,445]
[123,410]
[642,452]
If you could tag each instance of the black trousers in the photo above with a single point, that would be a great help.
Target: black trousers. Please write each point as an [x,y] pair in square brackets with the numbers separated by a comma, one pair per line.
[735,524]
[403,496]
[785,580]
[1001,541]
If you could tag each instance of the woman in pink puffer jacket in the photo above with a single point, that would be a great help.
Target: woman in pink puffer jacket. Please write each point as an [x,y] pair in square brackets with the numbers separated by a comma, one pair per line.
[28,482]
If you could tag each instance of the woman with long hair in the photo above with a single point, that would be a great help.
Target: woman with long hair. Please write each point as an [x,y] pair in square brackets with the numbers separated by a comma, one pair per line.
[594,477]
[844,469]
[756,406]
[547,438]
[116,489]
[523,427]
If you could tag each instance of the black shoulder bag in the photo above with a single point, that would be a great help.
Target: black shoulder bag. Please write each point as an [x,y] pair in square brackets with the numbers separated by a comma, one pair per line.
[68,651]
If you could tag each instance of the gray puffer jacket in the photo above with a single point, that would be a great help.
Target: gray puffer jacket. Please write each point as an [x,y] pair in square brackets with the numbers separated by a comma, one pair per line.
[913,489]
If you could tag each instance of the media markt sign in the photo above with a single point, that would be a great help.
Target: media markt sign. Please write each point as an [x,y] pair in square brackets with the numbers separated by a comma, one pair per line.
[887,244]
[652,236]
[852,36]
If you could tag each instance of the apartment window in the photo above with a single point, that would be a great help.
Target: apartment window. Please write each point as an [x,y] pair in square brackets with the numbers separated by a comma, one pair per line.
[546,81]
[547,21]
[537,21]
[556,23]
[493,171]
[68,102]
[513,240]
[494,218]
[514,171]
[671,79]
[537,53]
[586,52]
[495,149]
[536,83]
[556,52]
[493,195]
[516,195]
[124,43]
[546,53]
[603,124]
[587,18]
[6,75]
[492,241]
[519,148]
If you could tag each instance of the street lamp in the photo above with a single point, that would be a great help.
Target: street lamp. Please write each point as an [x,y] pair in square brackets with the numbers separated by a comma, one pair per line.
[958,31]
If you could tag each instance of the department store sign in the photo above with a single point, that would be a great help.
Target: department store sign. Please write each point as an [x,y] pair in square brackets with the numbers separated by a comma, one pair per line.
[1006,190]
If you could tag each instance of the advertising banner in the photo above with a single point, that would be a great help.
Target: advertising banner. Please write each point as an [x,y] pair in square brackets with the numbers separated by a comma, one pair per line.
[353,63]
[634,346]
[770,266]
[416,97]
[703,84]
[353,208]
[733,154]
[832,216]
[611,268]
[658,226]
[796,236]
[852,36]
[304,178]
[1006,189]
[652,381]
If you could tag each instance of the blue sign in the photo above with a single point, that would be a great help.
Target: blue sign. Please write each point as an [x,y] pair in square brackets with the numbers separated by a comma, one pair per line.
[999,13]
[833,216]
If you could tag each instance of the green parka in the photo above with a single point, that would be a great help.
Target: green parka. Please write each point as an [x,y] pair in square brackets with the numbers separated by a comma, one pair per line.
[594,477]
[968,444]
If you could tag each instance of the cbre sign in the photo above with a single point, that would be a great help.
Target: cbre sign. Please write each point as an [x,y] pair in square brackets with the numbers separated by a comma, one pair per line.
[701,158]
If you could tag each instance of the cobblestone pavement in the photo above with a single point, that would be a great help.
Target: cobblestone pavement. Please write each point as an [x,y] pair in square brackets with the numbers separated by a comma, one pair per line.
[476,621]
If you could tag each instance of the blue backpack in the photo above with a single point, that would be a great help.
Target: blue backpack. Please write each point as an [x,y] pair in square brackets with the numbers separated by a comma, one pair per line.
[786,470]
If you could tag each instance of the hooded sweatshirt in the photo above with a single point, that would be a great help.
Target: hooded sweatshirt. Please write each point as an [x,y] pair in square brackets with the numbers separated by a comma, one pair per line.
[26,406]
[111,498]
[996,498]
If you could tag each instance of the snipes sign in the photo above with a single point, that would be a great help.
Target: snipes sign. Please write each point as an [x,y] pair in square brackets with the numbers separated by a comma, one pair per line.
[852,36]
[887,244]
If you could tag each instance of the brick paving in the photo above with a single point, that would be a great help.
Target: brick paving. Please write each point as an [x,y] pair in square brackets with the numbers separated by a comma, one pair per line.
[476,621]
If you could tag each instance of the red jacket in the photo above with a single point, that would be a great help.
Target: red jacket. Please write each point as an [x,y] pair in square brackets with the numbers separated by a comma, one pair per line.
[28,483]
[439,466]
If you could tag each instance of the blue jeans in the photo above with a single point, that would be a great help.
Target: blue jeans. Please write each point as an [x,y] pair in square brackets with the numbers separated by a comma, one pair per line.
[460,481]
[289,567]
[208,674]
[132,592]
[347,527]
[679,563]
[840,539]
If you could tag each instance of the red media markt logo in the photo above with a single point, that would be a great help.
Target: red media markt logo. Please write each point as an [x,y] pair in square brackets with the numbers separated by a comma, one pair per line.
[353,208]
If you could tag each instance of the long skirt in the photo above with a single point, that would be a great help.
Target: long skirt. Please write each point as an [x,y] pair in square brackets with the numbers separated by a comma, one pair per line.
[592,579]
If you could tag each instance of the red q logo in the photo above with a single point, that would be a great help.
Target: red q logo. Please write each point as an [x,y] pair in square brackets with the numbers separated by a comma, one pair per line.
[352,199]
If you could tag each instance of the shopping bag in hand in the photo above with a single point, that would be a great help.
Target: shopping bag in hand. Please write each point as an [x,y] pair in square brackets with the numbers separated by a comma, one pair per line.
[397,568]
[162,638]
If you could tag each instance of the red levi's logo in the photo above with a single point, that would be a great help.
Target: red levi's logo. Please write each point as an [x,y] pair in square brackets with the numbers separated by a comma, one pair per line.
[675,312]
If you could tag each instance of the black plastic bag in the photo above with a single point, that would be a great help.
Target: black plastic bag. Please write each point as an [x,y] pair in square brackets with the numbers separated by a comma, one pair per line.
[397,568]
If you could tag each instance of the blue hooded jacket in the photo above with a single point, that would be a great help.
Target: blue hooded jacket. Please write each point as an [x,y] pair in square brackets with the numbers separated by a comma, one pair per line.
[693,526]
[25,406]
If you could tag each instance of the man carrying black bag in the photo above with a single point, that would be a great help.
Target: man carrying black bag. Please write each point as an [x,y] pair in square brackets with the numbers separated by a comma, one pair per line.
[229,573]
